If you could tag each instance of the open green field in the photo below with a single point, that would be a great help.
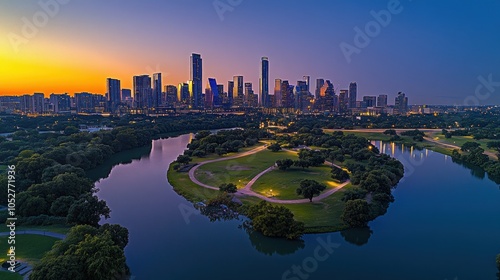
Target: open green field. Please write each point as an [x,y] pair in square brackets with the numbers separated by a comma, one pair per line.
[3,168]
[239,171]
[6,275]
[323,216]
[30,248]
[185,187]
[215,156]
[460,140]
[52,228]
[284,183]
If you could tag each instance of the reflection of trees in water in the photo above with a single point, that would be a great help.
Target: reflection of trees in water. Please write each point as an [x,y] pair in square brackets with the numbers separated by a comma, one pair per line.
[357,236]
[218,213]
[271,245]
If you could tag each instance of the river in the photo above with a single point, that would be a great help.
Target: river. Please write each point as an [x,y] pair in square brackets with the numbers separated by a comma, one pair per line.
[443,225]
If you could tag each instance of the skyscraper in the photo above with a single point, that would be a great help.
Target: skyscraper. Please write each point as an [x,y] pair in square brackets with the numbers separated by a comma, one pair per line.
[343,101]
[382,100]
[353,92]
[183,93]
[319,85]
[264,82]
[401,104]
[370,101]
[157,86]
[277,93]
[230,93]
[307,79]
[114,93]
[170,95]
[238,94]
[126,94]
[142,91]
[287,100]
[196,78]
[216,94]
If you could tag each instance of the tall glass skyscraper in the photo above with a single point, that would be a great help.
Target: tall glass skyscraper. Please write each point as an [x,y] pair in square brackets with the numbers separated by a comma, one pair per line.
[196,78]
[157,86]
[353,92]
[264,83]
[114,93]
[142,91]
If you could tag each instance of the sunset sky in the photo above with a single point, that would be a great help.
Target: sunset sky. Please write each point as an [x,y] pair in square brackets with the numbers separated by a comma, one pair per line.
[432,50]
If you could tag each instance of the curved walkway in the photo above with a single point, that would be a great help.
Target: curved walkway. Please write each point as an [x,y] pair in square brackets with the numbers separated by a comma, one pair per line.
[488,153]
[247,190]
[37,232]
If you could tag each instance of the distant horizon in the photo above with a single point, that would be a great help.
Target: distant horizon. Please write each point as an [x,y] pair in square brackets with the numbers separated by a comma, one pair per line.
[437,54]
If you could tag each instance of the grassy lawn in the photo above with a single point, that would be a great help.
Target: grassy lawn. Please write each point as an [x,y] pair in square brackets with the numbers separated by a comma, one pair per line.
[53,228]
[285,183]
[30,248]
[2,169]
[185,187]
[6,275]
[239,171]
[323,216]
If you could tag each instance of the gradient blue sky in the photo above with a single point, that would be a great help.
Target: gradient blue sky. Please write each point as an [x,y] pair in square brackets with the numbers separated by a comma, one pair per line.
[433,50]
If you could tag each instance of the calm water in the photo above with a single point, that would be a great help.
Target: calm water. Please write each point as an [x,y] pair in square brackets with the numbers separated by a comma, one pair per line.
[443,225]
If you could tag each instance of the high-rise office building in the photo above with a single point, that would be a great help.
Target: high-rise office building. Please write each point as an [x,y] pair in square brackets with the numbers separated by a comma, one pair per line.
[114,91]
[319,85]
[369,101]
[238,93]
[401,104]
[61,103]
[230,93]
[264,83]
[382,100]
[343,101]
[353,93]
[287,100]
[277,93]
[307,79]
[126,94]
[157,93]
[142,91]
[183,93]
[216,94]
[301,96]
[170,95]
[251,99]
[196,78]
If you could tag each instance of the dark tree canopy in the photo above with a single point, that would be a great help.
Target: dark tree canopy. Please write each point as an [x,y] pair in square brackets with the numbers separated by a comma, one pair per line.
[310,188]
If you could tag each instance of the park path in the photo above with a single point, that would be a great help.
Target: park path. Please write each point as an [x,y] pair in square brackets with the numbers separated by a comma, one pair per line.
[247,190]
[488,153]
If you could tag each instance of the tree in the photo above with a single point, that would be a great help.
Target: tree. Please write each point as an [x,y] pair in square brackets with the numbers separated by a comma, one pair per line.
[274,221]
[60,206]
[183,159]
[302,163]
[118,233]
[284,164]
[493,145]
[468,146]
[69,130]
[498,261]
[339,174]
[356,213]
[310,188]
[88,211]
[228,188]
[275,147]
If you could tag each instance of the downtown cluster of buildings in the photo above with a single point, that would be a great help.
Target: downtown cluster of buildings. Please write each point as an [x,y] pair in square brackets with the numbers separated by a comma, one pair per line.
[149,96]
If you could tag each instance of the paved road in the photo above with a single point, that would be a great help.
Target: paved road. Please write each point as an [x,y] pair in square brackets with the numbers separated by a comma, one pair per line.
[247,190]
[36,232]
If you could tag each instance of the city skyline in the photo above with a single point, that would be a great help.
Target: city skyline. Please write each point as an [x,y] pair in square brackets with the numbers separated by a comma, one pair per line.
[75,53]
